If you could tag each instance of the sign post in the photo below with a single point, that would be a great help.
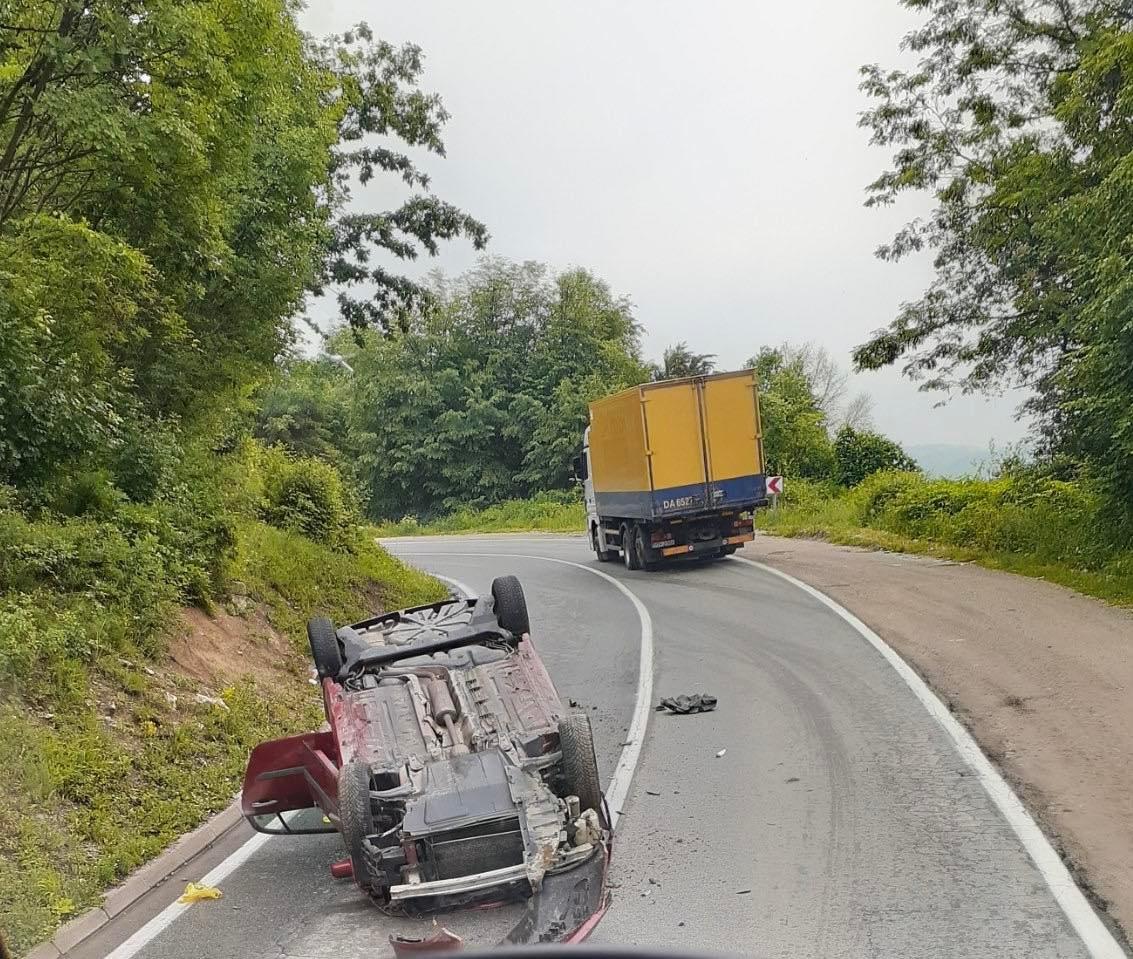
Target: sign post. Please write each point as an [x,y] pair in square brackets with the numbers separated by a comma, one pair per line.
[774,490]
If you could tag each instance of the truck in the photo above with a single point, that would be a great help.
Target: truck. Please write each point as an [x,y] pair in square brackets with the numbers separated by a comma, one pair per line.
[674,469]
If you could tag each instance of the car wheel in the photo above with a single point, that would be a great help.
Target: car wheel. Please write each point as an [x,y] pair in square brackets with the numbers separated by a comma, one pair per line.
[580,765]
[629,547]
[511,606]
[356,818]
[324,646]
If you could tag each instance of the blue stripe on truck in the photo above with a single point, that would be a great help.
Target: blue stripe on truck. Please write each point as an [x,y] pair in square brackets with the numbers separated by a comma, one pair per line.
[741,490]
[677,500]
[633,505]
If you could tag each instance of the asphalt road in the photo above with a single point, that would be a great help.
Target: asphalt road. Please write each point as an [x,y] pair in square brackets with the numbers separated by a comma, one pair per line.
[840,821]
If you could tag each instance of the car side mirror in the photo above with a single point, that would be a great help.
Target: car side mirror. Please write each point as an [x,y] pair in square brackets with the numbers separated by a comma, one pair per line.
[576,467]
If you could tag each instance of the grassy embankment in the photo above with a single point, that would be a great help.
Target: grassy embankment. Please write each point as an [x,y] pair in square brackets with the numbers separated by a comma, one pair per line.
[1037,527]
[124,724]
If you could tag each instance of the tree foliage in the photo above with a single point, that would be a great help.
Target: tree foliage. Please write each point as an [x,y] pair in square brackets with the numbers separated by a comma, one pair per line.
[1017,119]
[795,438]
[174,179]
[199,134]
[85,340]
[861,453]
[484,396]
[306,409]
[679,361]
[376,86]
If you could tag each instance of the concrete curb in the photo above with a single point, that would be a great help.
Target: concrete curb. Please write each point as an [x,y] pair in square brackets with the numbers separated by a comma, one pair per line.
[138,883]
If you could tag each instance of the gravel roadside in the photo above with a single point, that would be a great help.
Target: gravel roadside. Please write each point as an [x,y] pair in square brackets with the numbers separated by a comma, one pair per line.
[1041,675]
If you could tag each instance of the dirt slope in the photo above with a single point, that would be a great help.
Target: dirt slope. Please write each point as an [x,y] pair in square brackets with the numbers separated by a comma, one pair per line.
[1042,676]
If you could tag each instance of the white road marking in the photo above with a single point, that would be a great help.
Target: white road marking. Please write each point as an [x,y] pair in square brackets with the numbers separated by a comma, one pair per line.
[159,923]
[1099,941]
[618,788]
[464,591]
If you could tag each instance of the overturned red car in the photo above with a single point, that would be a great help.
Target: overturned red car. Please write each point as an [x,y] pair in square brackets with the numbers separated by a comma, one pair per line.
[449,765]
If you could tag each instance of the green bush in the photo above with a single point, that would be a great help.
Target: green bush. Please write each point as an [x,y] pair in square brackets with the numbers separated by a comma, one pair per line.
[307,496]
[31,635]
[874,494]
[145,461]
[861,453]
[91,493]
[1051,520]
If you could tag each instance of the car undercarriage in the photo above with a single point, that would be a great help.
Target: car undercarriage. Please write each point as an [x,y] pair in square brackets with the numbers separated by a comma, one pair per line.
[450,766]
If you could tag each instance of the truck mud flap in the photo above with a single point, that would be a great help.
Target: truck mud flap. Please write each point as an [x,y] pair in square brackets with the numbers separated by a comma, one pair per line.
[567,907]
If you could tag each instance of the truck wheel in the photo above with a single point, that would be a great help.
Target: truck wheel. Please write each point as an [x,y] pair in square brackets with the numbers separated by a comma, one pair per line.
[580,765]
[629,547]
[511,607]
[356,818]
[604,555]
[639,549]
[324,647]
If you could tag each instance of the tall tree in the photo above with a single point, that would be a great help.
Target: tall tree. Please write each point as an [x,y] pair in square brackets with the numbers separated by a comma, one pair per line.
[795,438]
[1018,119]
[383,111]
[200,134]
[484,397]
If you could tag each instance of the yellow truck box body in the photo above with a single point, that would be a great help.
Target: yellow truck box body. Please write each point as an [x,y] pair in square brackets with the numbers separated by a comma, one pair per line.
[677,446]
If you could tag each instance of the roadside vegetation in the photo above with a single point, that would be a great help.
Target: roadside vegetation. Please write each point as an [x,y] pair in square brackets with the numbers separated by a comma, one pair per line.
[545,512]
[174,182]
[110,751]
[1021,521]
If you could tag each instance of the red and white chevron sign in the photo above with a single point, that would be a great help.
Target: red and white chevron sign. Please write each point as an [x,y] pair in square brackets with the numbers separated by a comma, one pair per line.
[774,485]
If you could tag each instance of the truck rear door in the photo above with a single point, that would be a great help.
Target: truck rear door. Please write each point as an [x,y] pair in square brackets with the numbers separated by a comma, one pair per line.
[675,447]
[732,442]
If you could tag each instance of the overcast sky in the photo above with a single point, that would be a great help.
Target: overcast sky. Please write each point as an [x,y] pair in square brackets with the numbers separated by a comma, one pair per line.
[702,158]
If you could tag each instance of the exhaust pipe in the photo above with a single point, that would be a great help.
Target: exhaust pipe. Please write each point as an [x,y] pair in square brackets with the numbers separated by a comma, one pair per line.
[445,711]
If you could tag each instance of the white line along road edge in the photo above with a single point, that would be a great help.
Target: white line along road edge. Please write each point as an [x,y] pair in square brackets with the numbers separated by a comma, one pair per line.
[164,919]
[618,788]
[463,591]
[1099,941]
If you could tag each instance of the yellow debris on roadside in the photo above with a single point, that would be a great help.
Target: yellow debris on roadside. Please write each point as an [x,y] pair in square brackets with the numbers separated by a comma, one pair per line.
[195,892]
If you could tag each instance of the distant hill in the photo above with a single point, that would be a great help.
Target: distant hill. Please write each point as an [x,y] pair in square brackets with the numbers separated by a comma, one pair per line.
[948,459]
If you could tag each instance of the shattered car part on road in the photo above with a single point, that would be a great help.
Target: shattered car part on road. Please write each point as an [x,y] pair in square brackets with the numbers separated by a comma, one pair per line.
[696,703]
[450,766]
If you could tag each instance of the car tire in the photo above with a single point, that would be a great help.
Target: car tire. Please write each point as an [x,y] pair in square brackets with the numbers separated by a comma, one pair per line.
[629,547]
[356,818]
[324,647]
[511,606]
[580,765]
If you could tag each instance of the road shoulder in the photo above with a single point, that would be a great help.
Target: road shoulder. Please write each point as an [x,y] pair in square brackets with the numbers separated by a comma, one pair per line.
[1039,674]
